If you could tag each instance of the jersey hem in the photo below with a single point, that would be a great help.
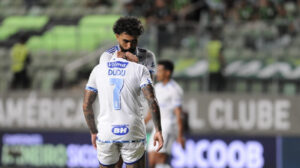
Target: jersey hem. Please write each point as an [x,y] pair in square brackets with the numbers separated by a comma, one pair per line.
[124,141]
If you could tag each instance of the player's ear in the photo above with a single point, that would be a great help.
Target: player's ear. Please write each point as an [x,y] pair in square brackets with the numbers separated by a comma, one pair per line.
[117,36]
[168,73]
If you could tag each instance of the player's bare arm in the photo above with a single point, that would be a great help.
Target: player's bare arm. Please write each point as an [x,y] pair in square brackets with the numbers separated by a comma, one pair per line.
[180,138]
[148,117]
[153,105]
[154,108]
[89,98]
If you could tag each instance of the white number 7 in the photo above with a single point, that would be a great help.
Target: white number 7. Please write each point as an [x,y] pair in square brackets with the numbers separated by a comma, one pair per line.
[117,90]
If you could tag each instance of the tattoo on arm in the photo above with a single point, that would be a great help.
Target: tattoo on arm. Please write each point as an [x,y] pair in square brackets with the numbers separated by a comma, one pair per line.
[89,98]
[153,106]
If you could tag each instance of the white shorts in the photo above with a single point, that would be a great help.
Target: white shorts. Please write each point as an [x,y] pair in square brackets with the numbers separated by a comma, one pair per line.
[169,139]
[109,153]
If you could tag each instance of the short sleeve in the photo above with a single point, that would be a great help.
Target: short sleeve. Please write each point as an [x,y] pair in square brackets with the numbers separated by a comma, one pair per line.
[91,84]
[146,78]
[151,62]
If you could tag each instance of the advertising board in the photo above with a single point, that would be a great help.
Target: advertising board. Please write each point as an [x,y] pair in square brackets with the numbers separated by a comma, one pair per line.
[69,149]
[207,114]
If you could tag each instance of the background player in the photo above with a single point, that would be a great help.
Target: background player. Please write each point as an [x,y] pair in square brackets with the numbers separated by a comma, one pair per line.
[169,95]
[120,129]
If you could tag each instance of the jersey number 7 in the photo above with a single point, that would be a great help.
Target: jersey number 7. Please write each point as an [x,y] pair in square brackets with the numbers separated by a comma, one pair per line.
[117,90]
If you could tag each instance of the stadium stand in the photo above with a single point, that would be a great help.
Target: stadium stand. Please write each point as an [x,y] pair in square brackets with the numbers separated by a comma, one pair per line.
[13,24]
[260,49]
[91,31]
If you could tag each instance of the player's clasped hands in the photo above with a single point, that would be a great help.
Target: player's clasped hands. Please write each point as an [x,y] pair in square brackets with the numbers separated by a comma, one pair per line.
[159,138]
[127,55]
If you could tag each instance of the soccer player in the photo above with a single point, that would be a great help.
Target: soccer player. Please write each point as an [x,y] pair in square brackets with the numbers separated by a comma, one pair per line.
[120,129]
[127,31]
[169,96]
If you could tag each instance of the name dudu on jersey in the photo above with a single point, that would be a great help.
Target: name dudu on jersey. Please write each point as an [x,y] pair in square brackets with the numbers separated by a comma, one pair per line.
[117,72]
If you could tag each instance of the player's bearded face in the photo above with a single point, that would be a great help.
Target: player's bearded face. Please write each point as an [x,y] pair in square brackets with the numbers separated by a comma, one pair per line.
[127,42]
[125,50]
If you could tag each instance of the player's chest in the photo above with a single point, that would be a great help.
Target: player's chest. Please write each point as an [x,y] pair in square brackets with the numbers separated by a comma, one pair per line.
[164,95]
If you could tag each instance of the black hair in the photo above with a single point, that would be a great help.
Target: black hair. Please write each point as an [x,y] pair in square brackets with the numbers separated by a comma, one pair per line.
[168,65]
[23,38]
[129,25]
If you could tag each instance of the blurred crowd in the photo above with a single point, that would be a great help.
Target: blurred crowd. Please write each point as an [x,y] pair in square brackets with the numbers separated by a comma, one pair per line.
[218,30]
[212,14]
[164,11]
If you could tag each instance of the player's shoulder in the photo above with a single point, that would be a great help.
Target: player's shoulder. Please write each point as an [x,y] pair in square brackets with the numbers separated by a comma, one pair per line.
[176,86]
[145,52]
[138,68]
[97,67]
[107,54]
[136,65]
[112,49]
[158,85]
[142,50]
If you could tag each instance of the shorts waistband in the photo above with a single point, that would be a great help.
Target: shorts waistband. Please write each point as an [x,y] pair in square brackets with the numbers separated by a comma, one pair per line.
[124,141]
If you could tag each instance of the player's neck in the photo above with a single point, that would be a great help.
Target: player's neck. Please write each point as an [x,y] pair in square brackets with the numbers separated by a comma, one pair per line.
[166,81]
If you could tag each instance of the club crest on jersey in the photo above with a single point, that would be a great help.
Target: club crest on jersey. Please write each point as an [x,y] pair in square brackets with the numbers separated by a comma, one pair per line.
[117,64]
[120,129]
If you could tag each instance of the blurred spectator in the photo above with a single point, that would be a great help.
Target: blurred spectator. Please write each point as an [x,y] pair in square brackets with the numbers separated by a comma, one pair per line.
[97,3]
[193,10]
[160,13]
[20,59]
[29,4]
[179,4]
[246,10]
[231,12]
[134,7]
[266,10]
[217,5]
[216,63]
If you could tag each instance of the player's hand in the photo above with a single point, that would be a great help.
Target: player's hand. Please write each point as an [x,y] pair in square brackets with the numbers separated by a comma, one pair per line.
[131,57]
[93,139]
[159,138]
[181,141]
[121,54]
